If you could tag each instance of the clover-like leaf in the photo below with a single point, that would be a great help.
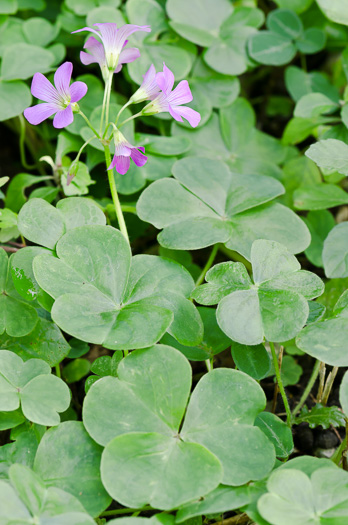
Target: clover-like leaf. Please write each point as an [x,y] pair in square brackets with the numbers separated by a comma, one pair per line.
[26,500]
[294,497]
[278,433]
[30,385]
[104,296]
[140,426]
[275,307]
[330,155]
[69,459]
[206,204]
[335,252]
[327,340]
[17,317]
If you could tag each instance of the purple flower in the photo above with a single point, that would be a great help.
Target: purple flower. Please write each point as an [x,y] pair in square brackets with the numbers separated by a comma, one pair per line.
[172,101]
[149,88]
[59,100]
[124,151]
[113,40]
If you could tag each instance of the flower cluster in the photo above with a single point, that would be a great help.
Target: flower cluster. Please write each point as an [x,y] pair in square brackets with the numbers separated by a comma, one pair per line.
[110,51]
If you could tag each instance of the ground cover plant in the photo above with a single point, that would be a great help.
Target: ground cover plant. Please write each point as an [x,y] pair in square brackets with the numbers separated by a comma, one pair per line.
[174,262]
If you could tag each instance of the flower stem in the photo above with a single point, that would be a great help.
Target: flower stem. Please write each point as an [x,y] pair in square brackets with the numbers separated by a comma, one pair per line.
[114,194]
[308,388]
[57,369]
[88,123]
[108,90]
[121,110]
[208,264]
[130,118]
[280,384]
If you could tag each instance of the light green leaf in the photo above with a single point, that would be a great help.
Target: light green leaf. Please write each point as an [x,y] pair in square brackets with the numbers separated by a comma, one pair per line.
[330,154]
[69,459]
[326,340]
[41,223]
[319,197]
[277,432]
[31,385]
[319,223]
[311,41]
[335,252]
[15,97]
[39,31]
[21,61]
[285,22]
[271,48]
[8,6]
[15,196]
[17,317]
[314,105]
[344,394]
[334,10]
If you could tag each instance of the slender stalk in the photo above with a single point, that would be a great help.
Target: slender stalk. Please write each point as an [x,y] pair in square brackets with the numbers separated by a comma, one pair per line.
[276,388]
[122,110]
[209,363]
[208,265]
[307,390]
[114,194]
[328,385]
[57,369]
[322,371]
[103,109]
[88,123]
[280,384]
[22,144]
[117,512]
[130,118]
[109,84]
[337,456]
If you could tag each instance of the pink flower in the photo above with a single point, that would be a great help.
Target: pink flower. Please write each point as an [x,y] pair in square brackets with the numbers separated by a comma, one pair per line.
[172,101]
[124,151]
[110,53]
[149,88]
[58,100]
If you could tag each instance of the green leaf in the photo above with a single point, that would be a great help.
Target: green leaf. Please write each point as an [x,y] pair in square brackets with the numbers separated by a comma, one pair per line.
[135,311]
[31,385]
[69,459]
[320,415]
[311,41]
[277,432]
[296,5]
[198,21]
[161,469]
[274,307]
[8,6]
[21,61]
[326,340]
[214,340]
[26,498]
[344,394]
[15,97]
[17,318]
[290,371]
[330,155]
[319,197]
[319,223]
[41,223]
[300,83]
[335,252]
[23,275]
[271,48]
[76,370]
[334,10]
[45,342]
[15,196]
[11,419]
[221,499]
[39,31]
[252,360]
[314,105]
[208,204]
[295,497]
[285,22]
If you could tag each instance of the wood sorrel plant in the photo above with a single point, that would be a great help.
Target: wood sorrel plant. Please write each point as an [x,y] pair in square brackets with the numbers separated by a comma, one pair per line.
[172,381]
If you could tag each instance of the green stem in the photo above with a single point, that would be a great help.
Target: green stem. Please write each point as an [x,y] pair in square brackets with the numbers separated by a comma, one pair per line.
[57,369]
[208,265]
[280,384]
[122,110]
[103,109]
[22,144]
[130,118]
[116,512]
[308,388]
[114,194]
[108,103]
[336,457]
[88,123]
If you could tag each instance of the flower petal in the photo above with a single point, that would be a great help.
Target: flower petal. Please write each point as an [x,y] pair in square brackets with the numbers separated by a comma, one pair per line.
[62,79]
[63,118]
[122,164]
[138,158]
[77,91]
[128,55]
[125,31]
[108,32]
[96,52]
[42,89]
[165,80]
[37,114]
[181,94]
[192,116]
[87,29]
